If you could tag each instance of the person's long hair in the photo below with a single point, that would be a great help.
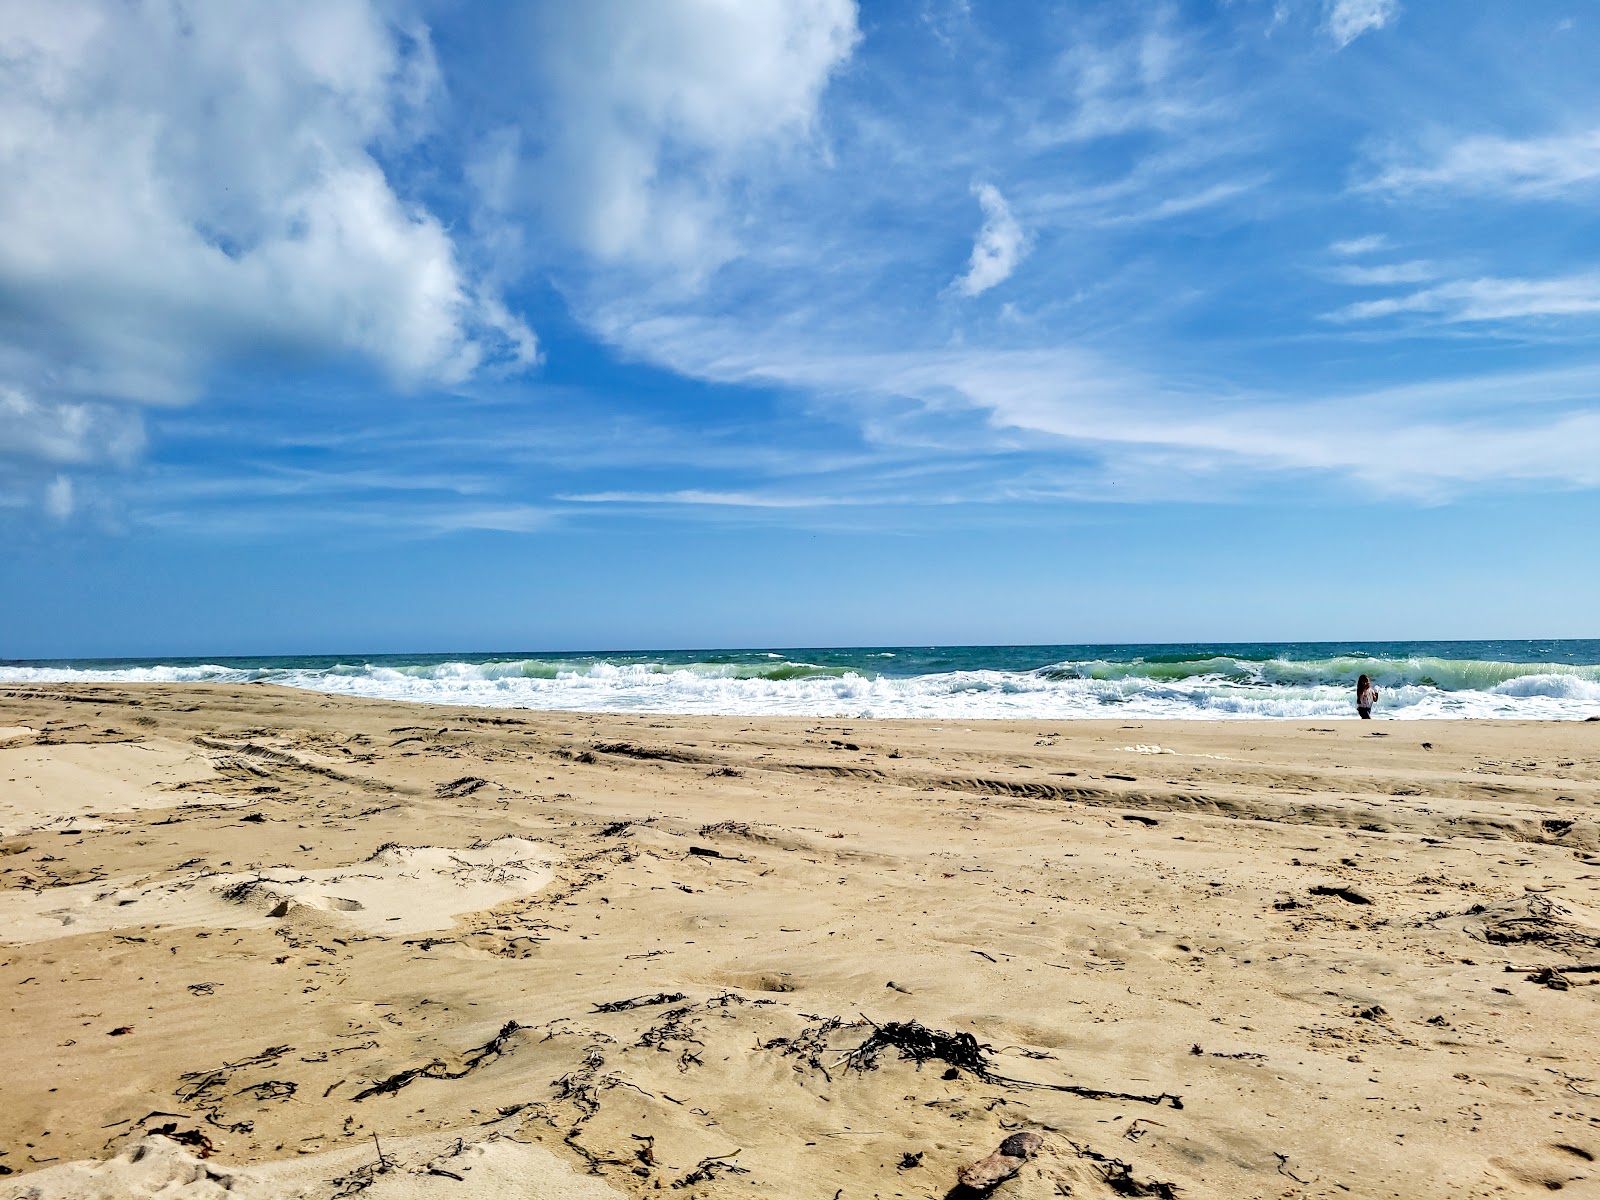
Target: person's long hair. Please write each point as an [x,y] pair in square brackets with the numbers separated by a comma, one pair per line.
[1362,685]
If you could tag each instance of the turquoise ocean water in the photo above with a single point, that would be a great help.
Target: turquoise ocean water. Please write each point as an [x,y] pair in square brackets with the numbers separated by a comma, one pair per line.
[1543,680]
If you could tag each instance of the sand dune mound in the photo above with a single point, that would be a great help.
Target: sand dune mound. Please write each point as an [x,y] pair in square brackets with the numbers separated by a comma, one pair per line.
[419,1168]
[398,890]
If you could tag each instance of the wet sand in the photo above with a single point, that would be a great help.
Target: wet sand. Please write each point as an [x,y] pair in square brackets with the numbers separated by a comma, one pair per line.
[550,954]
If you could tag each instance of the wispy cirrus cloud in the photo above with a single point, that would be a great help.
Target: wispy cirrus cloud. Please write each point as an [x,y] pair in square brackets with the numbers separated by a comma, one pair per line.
[1414,271]
[696,496]
[1530,168]
[1453,434]
[1489,299]
[1368,244]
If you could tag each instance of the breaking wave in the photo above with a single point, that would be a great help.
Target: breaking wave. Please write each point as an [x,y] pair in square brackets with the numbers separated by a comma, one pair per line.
[963,682]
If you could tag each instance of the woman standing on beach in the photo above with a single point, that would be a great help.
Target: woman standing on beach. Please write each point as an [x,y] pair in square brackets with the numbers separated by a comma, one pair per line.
[1366,697]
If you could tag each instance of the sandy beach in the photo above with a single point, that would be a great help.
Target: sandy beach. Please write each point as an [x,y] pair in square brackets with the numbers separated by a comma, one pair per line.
[262,942]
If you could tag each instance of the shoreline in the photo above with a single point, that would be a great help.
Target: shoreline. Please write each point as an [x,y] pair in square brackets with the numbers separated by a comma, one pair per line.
[1300,927]
[1292,681]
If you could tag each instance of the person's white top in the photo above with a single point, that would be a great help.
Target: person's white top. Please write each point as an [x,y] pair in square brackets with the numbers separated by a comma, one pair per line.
[1367,698]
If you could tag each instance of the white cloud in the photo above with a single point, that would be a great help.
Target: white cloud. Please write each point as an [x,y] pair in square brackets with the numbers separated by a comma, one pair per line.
[189,185]
[1489,165]
[1450,435]
[58,498]
[1000,245]
[1351,247]
[1382,274]
[1182,205]
[695,496]
[664,104]
[1349,19]
[1150,80]
[1467,300]
[66,433]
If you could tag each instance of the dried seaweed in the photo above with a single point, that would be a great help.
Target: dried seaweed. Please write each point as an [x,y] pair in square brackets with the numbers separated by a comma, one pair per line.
[963,1051]
[707,1169]
[436,1069]
[811,1043]
[670,1027]
[612,1006]
[1118,1176]
[197,1086]
[916,1041]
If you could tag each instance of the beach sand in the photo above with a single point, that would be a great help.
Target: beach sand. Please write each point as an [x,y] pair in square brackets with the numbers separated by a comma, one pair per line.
[253,938]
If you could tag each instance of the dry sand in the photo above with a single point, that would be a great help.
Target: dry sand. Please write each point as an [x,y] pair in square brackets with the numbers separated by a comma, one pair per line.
[1287,959]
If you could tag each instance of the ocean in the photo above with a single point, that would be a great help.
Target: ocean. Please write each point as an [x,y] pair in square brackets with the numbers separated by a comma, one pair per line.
[1527,680]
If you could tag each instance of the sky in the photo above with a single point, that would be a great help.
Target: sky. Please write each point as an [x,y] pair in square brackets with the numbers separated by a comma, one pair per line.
[368,326]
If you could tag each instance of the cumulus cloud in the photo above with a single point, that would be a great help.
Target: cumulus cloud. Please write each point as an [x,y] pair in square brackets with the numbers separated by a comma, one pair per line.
[1000,245]
[1489,165]
[66,433]
[190,185]
[1349,19]
[663,105]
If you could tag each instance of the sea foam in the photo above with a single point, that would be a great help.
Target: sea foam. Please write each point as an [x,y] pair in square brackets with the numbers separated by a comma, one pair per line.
[859,684]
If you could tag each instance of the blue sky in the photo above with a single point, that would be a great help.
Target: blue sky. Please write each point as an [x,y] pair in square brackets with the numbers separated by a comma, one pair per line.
[347,325]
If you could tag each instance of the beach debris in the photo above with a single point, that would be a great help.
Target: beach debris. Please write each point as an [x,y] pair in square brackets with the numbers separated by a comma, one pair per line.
[458,788]
[904,991]
[1534,918]
[1143,820]
[1118,1176]
[612,1006]
[707,852]
[989,1173]
[1556,977]
[708,1168]
[436,1069]
[916,1041]
[1343,891]
[270,1089]
[737,828]
[629,750]
[186,1137]
[963,1051]
[120,1031]
[909,1161]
